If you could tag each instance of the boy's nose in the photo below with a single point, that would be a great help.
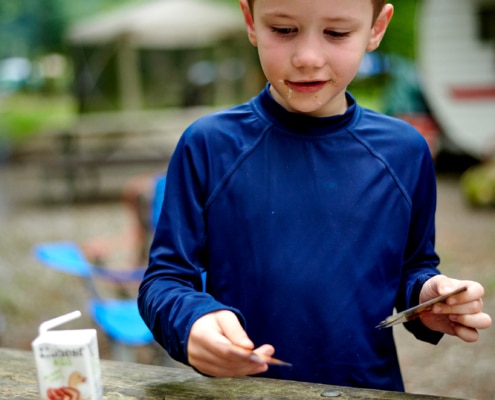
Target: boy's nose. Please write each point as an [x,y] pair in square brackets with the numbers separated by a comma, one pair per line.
[308,53]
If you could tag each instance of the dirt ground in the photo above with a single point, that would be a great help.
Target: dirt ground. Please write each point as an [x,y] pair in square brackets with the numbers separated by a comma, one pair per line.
[31,293]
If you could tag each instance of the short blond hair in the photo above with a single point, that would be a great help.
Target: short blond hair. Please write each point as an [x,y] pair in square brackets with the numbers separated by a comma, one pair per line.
[377,7]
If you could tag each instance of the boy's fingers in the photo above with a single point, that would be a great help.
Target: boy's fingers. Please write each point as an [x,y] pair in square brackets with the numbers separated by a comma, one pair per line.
[233,330]
[437,286]
[474,321]
[460,315]
[220,367]
[266,349]
[469,335]
[212,352]
[474,292]
[472,307]
[441,284]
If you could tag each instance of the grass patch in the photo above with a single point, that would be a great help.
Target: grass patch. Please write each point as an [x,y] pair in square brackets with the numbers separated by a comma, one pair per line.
[24,115]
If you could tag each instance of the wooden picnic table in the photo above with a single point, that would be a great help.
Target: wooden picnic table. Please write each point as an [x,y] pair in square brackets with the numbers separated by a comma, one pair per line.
[130,381]
[113,139]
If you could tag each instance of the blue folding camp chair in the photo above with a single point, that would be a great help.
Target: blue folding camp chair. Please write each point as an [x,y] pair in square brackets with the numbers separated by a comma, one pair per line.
[118,318]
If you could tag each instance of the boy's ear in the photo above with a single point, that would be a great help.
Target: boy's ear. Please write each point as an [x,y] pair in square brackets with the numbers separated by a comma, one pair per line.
[380,26]
[248,20]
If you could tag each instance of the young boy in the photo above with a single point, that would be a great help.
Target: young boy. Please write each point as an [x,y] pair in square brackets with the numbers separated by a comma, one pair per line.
[311,216]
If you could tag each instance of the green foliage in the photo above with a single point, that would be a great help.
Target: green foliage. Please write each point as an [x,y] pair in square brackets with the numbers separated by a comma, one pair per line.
[29,28]
[369,92]
[51,27]
[478,185]
[400,38]
[26,114]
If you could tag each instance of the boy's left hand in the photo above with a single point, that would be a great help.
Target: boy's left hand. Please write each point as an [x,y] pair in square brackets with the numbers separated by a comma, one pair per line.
[461,315]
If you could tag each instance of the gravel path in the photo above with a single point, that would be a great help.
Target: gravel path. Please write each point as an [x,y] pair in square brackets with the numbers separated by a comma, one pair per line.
[30,293]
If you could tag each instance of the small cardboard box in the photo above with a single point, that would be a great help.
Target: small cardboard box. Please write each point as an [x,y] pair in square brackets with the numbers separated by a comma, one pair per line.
[67,362]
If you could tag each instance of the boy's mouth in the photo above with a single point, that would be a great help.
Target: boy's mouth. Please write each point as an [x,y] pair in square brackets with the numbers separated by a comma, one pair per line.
[306,87]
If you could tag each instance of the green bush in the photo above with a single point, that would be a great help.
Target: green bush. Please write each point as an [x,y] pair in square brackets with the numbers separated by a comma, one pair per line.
[26,114]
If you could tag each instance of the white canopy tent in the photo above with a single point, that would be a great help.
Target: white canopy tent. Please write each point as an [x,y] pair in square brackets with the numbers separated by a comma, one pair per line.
[162,24]
[158,25]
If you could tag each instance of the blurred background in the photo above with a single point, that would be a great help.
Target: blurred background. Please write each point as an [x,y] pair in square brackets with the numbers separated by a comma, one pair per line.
[94,95]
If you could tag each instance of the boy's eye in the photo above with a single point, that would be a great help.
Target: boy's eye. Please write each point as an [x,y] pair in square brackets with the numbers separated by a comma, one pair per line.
[337,35]
[283,30]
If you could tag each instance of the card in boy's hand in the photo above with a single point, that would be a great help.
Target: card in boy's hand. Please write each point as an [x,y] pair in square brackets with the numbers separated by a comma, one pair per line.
[414,312]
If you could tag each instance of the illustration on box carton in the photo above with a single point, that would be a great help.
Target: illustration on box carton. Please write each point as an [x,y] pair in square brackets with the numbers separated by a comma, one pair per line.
[67,362]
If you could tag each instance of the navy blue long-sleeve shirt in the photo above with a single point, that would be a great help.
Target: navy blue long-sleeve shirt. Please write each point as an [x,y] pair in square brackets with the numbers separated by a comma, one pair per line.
[310,229]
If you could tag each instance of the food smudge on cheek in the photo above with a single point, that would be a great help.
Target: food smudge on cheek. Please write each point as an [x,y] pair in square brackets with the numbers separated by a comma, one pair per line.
[289,90]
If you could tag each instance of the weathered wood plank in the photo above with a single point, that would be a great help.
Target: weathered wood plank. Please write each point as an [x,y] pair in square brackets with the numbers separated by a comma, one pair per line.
[129,381]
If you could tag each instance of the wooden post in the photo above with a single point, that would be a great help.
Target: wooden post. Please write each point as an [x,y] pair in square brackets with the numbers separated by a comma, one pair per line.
[129,74]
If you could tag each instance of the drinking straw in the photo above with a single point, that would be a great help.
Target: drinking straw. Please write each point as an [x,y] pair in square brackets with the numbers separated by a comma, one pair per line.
[52,323]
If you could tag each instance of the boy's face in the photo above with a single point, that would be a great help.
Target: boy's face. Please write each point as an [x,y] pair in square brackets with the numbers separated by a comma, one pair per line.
[311,50]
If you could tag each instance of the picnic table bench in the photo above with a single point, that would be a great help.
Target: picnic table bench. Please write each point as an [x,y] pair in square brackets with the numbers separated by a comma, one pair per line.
[130,381]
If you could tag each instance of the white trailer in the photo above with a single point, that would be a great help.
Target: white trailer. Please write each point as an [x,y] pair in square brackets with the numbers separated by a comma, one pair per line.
[456,59]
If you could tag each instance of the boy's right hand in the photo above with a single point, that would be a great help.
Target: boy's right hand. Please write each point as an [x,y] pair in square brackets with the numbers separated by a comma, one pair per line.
[218,346]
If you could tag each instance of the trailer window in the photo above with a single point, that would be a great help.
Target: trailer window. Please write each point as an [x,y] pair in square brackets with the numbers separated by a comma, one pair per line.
[487,22]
